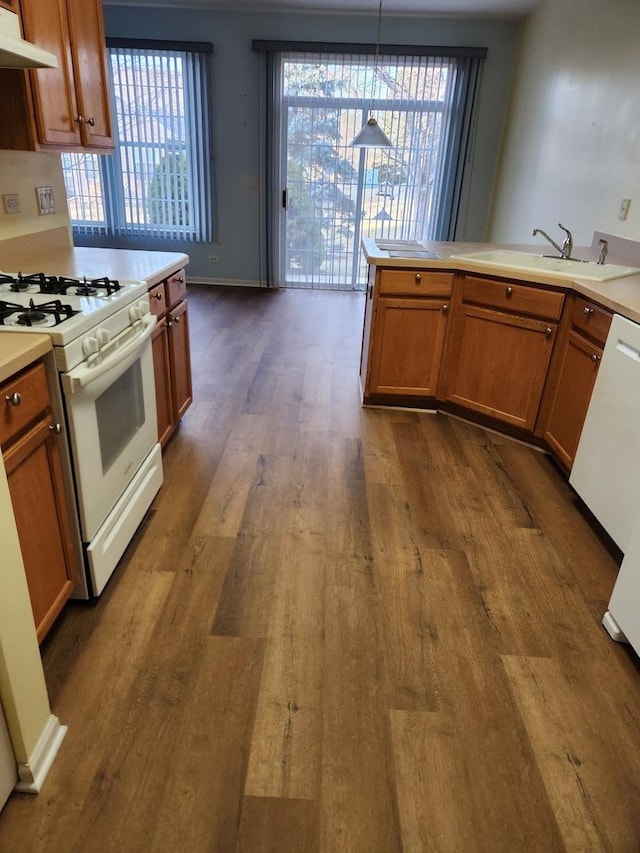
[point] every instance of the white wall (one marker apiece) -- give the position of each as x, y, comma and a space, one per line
572, 145
238, 97
21, 172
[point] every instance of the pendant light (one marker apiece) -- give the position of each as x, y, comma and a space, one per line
372, 135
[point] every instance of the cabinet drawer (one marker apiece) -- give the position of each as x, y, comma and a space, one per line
33, 397
591, 318
158, 300
515, 298
415, 282
176, 288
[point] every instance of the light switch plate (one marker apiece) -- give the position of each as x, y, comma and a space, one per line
624, 209
11, 203
46, 200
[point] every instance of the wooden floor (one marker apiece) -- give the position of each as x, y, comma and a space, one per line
340, 630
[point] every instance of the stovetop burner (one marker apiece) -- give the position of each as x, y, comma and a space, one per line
88, 287
45, 314
58, 284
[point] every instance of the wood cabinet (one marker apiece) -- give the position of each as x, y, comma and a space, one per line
29, 439
64, 108
406, 340
573, 376
171, 353
499, 348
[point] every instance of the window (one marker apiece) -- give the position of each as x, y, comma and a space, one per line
325, 195
158, 183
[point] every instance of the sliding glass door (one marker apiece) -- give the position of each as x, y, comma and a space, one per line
329, 195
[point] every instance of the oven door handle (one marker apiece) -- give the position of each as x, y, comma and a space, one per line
84, 374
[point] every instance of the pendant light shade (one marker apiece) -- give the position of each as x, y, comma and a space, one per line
371, 136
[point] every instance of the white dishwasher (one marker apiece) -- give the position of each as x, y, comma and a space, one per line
606, 469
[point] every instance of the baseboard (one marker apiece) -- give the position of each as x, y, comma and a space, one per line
225, 282
31, 776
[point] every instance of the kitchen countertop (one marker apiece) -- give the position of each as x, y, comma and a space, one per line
18, 351
78, 261
620, 295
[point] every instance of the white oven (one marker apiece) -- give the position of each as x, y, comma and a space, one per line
111, 411
101, 333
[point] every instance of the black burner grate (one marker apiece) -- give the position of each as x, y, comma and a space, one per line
34, 315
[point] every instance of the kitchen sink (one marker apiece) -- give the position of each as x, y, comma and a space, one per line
559, 267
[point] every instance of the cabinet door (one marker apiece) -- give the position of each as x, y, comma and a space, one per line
408, 338
90, 66
180, 360
162, 374
577, 375
41, 513
498, 364
46, 23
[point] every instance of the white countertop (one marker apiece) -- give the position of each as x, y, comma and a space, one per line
123, 264
620, 295
20, 350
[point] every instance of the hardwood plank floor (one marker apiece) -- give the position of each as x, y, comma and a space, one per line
339, 630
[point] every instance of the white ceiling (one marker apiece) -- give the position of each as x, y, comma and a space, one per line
475, 8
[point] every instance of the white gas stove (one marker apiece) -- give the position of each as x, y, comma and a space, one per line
69, 310
104, 394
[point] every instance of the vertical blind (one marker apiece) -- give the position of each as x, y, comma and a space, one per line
422, 98
159, 181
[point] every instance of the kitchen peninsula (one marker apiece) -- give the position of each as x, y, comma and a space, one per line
513, 349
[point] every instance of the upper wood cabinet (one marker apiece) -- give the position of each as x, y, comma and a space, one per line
499, 348
64, 108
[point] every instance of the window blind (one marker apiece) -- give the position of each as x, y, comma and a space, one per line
159, 182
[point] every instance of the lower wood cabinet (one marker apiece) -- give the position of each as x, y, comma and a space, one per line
404, 332
499, 349
32, 461
516, 353
171, 353
498, 364
408, 342
572, 378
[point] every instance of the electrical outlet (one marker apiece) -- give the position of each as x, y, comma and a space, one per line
214, 259
46, 200
12, 203
624, 209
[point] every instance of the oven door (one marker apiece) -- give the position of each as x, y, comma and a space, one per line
111, 409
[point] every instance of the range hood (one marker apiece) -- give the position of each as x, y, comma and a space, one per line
15, 52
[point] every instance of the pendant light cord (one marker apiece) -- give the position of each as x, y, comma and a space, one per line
376, 56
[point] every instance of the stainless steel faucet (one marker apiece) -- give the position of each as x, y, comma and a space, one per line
604, 248
567, 244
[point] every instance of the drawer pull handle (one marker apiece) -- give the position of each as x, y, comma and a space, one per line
509, 291
548, 332
181, 279
445, 308
90, 121
56, 428
588, 311
158, 296
14, 399
418, 278
595, 357
176, 319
